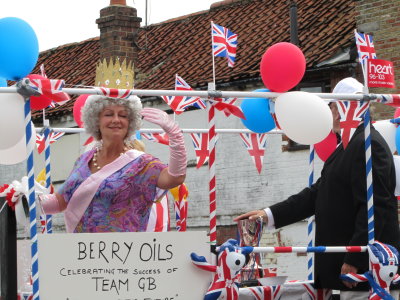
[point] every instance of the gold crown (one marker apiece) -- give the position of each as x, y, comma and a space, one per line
115, 75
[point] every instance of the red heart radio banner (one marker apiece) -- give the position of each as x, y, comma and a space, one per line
380, 73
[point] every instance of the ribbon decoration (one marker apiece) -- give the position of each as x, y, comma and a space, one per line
14, 192
8, 191
114, 93
226, 106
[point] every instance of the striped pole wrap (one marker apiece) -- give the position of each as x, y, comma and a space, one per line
212, 179
315, 249
32, 202
47, 153
310, 221
368, 174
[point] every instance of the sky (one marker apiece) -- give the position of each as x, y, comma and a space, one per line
57, 22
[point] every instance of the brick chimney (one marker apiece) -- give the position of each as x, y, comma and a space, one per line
119, 26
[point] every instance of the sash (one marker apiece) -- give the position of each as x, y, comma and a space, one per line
84, 194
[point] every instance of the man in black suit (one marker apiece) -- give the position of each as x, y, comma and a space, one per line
338, 201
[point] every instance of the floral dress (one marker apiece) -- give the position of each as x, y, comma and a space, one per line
123, 200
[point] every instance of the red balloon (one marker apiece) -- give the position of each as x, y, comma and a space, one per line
282, 67
325, 148
38, 102
76, 111
396, 113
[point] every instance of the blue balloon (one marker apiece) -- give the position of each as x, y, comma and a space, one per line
398, 139
3, 82
19, 48
257, 113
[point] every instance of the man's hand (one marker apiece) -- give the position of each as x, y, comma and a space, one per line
348, 269
253, 215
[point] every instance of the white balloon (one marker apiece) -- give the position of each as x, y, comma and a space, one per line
12, 119
17, 153
388, 131
305, 118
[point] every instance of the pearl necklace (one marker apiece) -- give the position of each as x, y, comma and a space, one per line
95, 164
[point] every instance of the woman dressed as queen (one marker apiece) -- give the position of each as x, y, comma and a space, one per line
112, 187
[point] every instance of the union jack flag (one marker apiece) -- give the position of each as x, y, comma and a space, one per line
43, 73
161, 138
114, 93
365, 46
262, 292
41, 141
317, 294
224, 43
255, 144
179, 103
201, 147
159, 219
51, 88
351, 115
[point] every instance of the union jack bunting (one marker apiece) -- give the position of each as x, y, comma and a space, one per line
41, 142
43, 223
365, 46
179, 103
161, 138
263, 292
255, 144
201, 147
159, 219
351, 116
224, 43
51, 88
181, 85
115, 93
24, 296
390, 99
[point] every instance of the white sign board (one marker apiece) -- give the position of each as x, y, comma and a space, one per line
122, 266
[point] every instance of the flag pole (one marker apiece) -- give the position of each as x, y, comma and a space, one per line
212, 53
211, 168
211, 157
176, 77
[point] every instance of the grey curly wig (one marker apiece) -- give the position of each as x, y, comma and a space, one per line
95, 104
